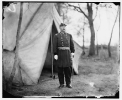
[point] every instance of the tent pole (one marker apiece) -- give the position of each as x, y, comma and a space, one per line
52, 55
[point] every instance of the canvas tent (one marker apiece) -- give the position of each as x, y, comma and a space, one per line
39, 22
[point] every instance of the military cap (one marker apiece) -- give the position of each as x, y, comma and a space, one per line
62, 24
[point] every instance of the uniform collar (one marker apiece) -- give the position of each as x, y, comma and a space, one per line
62, 32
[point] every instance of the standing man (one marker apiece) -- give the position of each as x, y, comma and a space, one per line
63, 47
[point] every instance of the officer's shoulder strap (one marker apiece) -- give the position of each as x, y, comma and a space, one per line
68, 34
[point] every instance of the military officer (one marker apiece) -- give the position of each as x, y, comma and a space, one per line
63, 48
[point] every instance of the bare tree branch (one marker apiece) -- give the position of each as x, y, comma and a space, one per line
114, 25
96, 14
109, 51
75, 7
78, 9
97, 33
82, 11
100, 23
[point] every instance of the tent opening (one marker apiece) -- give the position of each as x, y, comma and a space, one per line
49, 57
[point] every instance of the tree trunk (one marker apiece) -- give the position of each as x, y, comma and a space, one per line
97, 42
97, 49
90, 19
92, 44
83, 53
16, 50
83, 44
109, 49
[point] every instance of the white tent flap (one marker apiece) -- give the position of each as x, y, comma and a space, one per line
36, 29
34, 45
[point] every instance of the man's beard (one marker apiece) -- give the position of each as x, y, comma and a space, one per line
63, 30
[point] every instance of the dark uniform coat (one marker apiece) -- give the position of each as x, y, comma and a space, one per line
64, 56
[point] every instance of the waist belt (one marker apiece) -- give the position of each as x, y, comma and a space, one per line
63, 48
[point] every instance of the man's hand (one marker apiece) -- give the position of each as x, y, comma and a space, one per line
72, 55
56, 57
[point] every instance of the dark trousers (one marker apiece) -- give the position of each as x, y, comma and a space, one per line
64, 72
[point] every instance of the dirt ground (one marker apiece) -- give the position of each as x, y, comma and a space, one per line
97, 77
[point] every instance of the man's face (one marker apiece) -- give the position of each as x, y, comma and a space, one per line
62, 28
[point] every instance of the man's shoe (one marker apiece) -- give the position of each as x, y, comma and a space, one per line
69, 86
61, 86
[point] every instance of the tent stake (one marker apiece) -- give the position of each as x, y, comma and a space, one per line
16, 50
